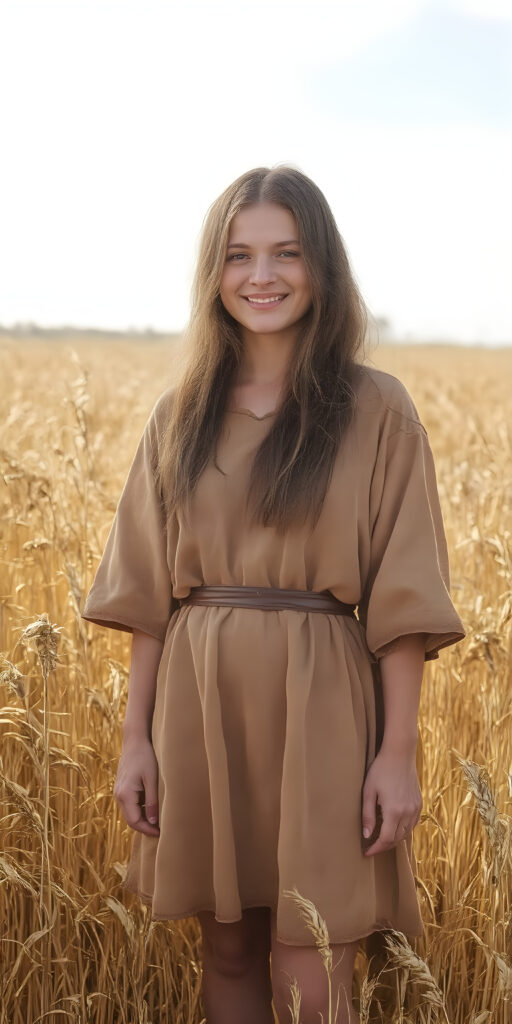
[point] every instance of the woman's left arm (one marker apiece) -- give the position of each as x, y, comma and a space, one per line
392, 779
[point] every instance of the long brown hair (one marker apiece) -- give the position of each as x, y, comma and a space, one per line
293, 465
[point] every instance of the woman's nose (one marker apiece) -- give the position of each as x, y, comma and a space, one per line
262, 271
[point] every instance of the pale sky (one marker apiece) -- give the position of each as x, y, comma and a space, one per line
120, 122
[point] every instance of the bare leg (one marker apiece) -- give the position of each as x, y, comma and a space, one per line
304, 964
236, 983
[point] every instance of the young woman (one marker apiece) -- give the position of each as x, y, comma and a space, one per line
270, 733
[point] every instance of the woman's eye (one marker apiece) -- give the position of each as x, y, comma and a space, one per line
238, 257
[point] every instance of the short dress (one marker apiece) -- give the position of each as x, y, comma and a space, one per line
266, 722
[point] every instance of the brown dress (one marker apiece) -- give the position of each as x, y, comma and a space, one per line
266, 722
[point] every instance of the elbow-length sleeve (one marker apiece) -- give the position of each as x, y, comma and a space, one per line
407, 590
132, 587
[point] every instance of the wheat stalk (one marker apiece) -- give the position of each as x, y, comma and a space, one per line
11, 677
294, 1006
368, 986
44, 636
417, 971
318, 928
498, 826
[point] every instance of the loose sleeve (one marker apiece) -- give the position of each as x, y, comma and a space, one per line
132, 586
407, 590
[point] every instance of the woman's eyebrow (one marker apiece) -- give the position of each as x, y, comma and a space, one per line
241, 245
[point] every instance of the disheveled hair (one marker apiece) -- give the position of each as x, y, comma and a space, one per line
293, 465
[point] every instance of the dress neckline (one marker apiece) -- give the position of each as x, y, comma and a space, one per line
249, 412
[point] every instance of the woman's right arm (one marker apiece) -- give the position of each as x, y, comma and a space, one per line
145, 659
138, 769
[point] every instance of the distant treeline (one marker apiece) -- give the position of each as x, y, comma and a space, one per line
28, 331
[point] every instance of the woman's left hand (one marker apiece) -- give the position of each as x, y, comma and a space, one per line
392, 781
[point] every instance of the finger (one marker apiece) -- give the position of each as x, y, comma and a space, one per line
144, 826
379, 846
151, 798
369, 811
152, 812
132, 812
140, 824
385, 839
129, 803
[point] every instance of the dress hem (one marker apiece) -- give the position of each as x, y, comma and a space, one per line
148, 901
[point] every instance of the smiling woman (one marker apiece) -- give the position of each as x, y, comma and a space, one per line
281, 484
265, 288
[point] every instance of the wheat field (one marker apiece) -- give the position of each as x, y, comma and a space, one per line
73, 947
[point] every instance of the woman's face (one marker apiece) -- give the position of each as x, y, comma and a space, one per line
264, 283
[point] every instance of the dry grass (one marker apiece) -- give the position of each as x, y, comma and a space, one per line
73, 946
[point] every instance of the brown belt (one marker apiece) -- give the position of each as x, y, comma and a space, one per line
268, 598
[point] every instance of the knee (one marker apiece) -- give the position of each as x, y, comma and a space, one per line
312, 986
230, 956
312, 992
230, 950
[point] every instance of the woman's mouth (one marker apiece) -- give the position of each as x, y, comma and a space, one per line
262, 303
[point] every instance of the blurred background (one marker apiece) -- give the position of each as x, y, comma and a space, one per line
122, 121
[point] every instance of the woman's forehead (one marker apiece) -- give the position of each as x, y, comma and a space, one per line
261, 219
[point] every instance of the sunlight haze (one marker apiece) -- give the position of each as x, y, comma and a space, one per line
121, 123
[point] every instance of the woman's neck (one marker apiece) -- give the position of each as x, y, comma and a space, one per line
266, 359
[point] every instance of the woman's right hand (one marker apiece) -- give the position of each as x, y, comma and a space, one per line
136, 785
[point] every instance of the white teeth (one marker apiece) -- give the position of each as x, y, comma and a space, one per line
263, 301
